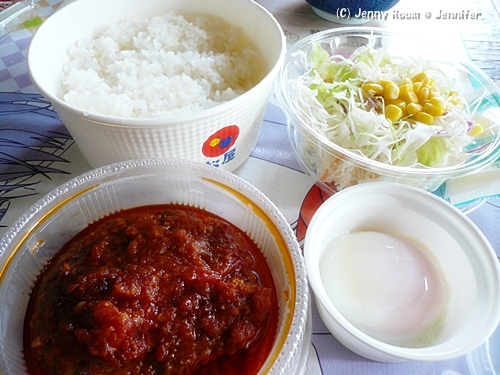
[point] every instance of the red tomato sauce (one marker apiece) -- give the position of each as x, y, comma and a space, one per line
155, 290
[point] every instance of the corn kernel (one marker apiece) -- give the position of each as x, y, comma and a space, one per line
373, 88
434, 91
424, 118
398, 103
391, 91
427, 81
413, 108
423, 94
454, 98
416, 87
409, 97
433, 110
476, 129
406, 88
384, 82
405, 81
419, 77
393, 112
439, 102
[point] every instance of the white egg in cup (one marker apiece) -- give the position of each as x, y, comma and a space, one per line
401, 274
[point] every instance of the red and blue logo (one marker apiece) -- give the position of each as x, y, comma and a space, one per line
221, 141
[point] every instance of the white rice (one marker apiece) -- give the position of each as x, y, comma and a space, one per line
161, 66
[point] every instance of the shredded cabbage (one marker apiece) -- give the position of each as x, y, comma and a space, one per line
330, 97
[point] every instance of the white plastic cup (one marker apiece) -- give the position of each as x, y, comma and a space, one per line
463, 253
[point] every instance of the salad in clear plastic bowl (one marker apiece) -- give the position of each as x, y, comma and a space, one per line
365, 104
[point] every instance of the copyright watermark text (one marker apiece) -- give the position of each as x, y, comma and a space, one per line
347, 14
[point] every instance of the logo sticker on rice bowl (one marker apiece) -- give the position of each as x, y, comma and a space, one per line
220, 141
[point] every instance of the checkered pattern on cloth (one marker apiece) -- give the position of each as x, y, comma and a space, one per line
14, 45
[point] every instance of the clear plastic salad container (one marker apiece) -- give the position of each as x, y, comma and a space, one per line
345, 131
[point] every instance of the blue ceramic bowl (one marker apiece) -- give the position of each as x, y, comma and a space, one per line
345, 11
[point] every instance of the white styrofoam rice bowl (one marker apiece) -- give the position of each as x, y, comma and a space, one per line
464, 255
64, 212
105, 139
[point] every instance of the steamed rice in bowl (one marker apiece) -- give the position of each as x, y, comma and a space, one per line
160, 66
217, 116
